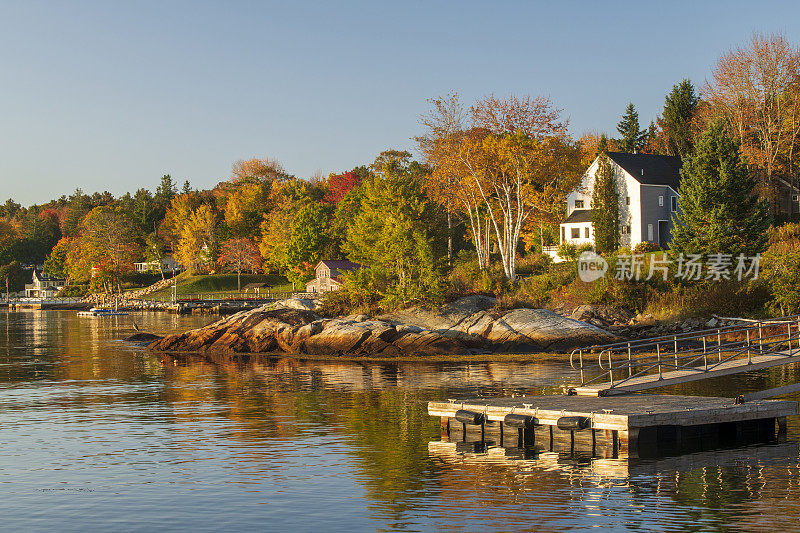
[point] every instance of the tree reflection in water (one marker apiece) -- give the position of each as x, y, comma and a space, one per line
271, 430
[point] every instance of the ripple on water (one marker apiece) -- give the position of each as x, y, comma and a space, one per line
98, 434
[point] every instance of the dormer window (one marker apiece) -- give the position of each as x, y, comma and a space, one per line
660, 201
578, 204
674, 203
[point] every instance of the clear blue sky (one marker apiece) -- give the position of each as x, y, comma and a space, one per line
111, 95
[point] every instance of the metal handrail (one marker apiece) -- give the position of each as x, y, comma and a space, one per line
646, 363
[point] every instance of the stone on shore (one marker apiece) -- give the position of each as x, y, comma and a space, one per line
468, 325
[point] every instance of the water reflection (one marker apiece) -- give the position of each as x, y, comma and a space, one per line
144, 443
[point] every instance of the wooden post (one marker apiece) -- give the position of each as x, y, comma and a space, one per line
719, 344
551, 438
614, 443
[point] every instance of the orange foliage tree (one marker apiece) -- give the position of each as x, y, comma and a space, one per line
515, 160
240, 254
756, 89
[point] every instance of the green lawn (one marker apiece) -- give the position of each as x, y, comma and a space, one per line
212, 283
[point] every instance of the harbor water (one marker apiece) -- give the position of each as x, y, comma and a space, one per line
98, 434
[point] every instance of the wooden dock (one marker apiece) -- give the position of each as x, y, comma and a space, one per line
631, 424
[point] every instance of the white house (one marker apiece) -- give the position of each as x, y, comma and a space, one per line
328, 273
648, 196
43, 286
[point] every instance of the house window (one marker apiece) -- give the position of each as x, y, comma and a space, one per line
650, 232
627, 200
674, 202
578, 204
563, 231
660, 201
626, 230
587, 232
576, 233
796, 197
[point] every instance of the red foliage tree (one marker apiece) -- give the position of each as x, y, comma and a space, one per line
341, 184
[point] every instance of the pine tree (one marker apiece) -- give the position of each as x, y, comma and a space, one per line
605, 207
628, 127
720, 212
680, 106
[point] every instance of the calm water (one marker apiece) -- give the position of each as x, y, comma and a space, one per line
97, 434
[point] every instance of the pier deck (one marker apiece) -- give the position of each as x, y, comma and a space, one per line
626, 421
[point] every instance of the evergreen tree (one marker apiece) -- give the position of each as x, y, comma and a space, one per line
679, 109
720, 212
165, 192
628, 127
605, 207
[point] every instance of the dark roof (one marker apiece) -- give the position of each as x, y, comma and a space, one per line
650, 169
43, 277
340, 264
579, 216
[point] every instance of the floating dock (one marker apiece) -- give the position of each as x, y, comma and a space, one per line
636, 424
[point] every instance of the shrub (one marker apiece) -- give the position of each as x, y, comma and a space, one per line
73, 291
568, 251
534, 263
781, 269
646, 247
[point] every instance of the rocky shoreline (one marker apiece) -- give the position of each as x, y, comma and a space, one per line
469, 325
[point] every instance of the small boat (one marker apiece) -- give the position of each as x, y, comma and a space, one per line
101, 311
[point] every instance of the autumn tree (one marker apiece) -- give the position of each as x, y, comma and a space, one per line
444, 125
155, 252
198, 240
12, 278
259, 170
245, 209
339, 185
55, 264
309, 241
397, 232
239, 254
176, 216
514, 159
286, 198
754, 88
106, 238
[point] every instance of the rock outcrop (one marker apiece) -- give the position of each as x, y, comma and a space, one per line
468, 325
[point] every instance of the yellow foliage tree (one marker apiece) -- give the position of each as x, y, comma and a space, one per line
198, 239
